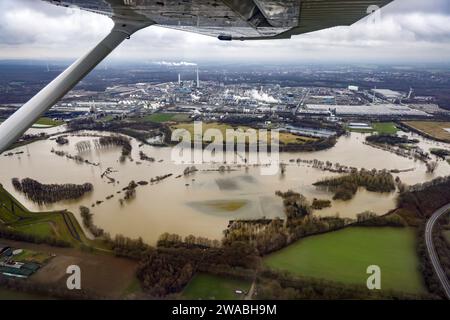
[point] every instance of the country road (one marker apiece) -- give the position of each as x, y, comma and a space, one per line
432, 251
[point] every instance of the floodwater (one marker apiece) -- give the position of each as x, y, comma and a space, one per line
202, 203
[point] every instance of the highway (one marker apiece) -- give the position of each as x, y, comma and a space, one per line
432, 251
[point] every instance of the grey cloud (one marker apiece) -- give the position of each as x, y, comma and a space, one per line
408, 29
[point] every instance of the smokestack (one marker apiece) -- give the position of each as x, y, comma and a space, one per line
198, 79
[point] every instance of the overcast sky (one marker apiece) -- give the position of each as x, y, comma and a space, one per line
409, 31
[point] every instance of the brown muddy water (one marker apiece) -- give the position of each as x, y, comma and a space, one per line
203, 203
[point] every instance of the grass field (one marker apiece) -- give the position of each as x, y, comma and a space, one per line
285, 138
344, 256
434, 129
210, 287
59, 225
380, 128
44, 121
49, 122
165, 117
385, 127
32, 256
40, 229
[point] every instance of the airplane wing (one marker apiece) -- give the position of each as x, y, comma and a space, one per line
225, 19
236, 19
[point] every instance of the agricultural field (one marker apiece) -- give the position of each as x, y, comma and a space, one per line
438, 130
210, 287
166, 117
285, 138
344, 256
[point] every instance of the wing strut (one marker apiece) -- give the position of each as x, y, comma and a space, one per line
13, 128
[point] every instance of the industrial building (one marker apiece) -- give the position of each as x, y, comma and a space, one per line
389, 95
376, 110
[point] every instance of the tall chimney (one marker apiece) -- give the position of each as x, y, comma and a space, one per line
198, 79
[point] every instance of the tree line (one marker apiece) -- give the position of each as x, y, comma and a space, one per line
277, 234
50, 193
389, 139
116, 140
274, 285
426, 267
416, 204
140, 130
172, 240
371, 219
422, 199
345, 187
46, 289
86, 217
319, 204
164, 271
295, 204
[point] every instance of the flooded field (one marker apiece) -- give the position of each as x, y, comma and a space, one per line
203, 202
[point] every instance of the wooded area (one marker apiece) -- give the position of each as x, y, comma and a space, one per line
50, 193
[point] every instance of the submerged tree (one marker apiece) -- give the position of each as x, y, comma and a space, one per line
432, 166
50, 193
295, 204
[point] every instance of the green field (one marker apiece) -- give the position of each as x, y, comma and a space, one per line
49, 122
59, 224
344, 256
385, 127
210, 287
40, 229
380, 128
165, 117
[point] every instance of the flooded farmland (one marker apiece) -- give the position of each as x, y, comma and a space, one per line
203, 202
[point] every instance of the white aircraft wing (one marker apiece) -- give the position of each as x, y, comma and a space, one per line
225, 19
237, 19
